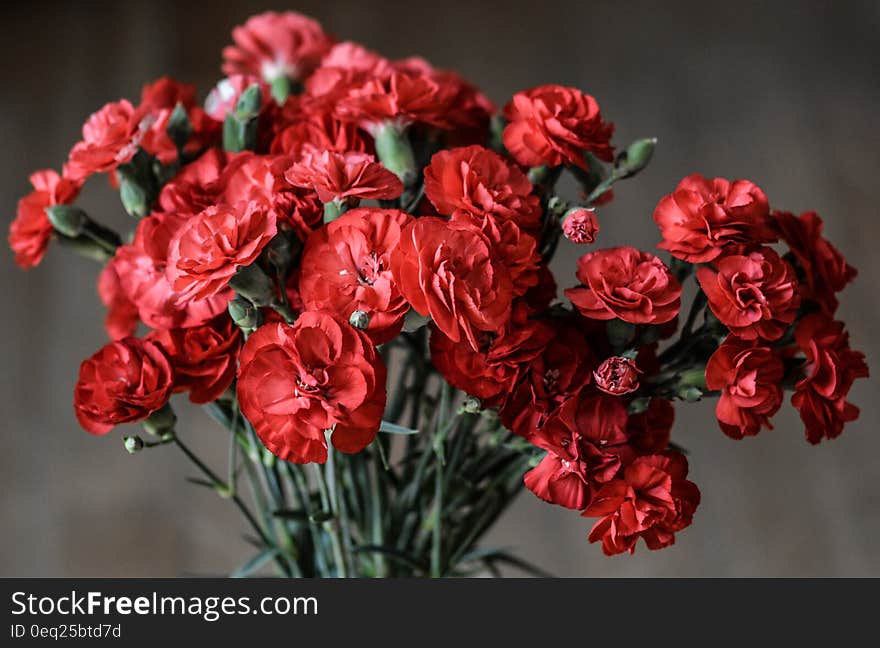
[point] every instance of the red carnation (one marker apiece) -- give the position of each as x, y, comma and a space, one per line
750, 379
580, 226
197, 185
559, 371
555, 125
626, 283
318, 130
830, 370
481, 183
111, 137
651, 499
343, 176
274, 45
649, 431
825, 271
446, 270
704, 216
297, 381
617, 376
125, 381
122, 313
346, 268
203, 357
30, 231
211, 246
753, 293
586, 443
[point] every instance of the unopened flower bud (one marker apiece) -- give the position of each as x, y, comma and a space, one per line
580, 225
68, 219
161, 421
249, 103
395, 152
133, 444
179, 128
690, 394
617, 376
243, 313
636, 157
360, 320
251, 282
471, 405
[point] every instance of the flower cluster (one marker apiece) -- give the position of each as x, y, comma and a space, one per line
328, 205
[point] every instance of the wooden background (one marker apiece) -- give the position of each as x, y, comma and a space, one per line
786, 94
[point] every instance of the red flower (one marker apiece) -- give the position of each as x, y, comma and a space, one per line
346, 267
825, 271
580, 226
830, 370
703, 216
446, 270
754, 293
31, 230
140, 268
297, 381
210, 247
203, 357
343, 176
626, 283
122, 313
651, 500
559, 371
111, 137
274, 45
649, 431
490, 371
125, 381
481, 183
318, 130
617, 376
586, 443
555, 125
197, 185
750, 379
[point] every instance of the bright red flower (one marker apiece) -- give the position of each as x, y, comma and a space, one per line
555, 125
111, 137
481, 183
651, 500
649, 431
754, 293
209, 247
830, 370
750, 379
343, 176
297, 381
203, 357
318, 130
560, 371
580, 226
489, 372
446, 270
626, 283
125, 381
197, 185
617, 376
30, 231
586, 443
274, 45
703, 217
825, 271
122, 313
346, 267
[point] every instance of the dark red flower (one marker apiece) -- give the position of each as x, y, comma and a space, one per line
830, 370
30, 231
617, 376
125, 381
825, 271
555, 125
481, 183
343, 176
703, 217
753, 293
750, 379
649, 431
346, 268
446, 270
651, 499
274, 45
297, 381
626, 283
580, 226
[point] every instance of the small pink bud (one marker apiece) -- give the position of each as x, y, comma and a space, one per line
617, 376
580, 225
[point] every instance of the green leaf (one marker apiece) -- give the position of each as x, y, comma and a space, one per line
392, 428
254, 563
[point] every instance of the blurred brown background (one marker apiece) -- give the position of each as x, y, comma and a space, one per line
786, 94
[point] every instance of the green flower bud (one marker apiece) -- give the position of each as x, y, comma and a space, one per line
360, 320
243, 313
251, 282
636, 157
394, 150
161, 421
690, 394
248, 105
133, 444
471, 405
68, 220
179, 128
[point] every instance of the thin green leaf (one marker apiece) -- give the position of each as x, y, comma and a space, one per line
254, 563
393, 428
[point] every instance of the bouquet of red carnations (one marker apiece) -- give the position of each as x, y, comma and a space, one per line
344, 260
